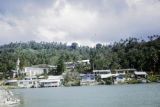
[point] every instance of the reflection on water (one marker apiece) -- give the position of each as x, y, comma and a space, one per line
140, 95
14, 105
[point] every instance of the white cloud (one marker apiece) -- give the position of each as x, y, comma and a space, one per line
86, 22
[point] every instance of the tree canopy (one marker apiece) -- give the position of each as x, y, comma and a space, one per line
128, 53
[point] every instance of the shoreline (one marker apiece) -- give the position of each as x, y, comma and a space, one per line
16, 87
7, 97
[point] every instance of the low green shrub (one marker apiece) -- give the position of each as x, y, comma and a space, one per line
152, 78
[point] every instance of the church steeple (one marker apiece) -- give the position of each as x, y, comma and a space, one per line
17, 65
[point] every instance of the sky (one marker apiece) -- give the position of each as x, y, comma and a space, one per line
86, 22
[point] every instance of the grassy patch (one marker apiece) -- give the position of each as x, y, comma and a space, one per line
133, 81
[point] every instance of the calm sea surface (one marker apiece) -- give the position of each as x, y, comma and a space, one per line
140, 95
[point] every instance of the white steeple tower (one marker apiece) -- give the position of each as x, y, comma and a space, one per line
17, 65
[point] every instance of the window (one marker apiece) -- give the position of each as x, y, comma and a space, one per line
21, 83
30, 82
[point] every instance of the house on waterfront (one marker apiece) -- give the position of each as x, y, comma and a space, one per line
84, 62
37, 70
87, 79
141, 75
103, 76
102, 73
25, 83
11, 82
28, 83
69, 66
51, 81
72, 65
121, 75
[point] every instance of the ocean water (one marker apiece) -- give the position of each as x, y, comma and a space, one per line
139, 95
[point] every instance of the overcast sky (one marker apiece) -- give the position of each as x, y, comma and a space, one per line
84, 21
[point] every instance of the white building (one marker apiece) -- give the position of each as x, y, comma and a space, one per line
71, 65
27, 83
34, 71
140, 75
84, 62
121, 74
103, 73
52, 81
87, 79
38, 69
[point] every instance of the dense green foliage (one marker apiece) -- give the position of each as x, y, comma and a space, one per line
129, 53
153, 78
72, 79
60, 66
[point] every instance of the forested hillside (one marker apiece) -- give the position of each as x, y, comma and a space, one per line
129, 53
